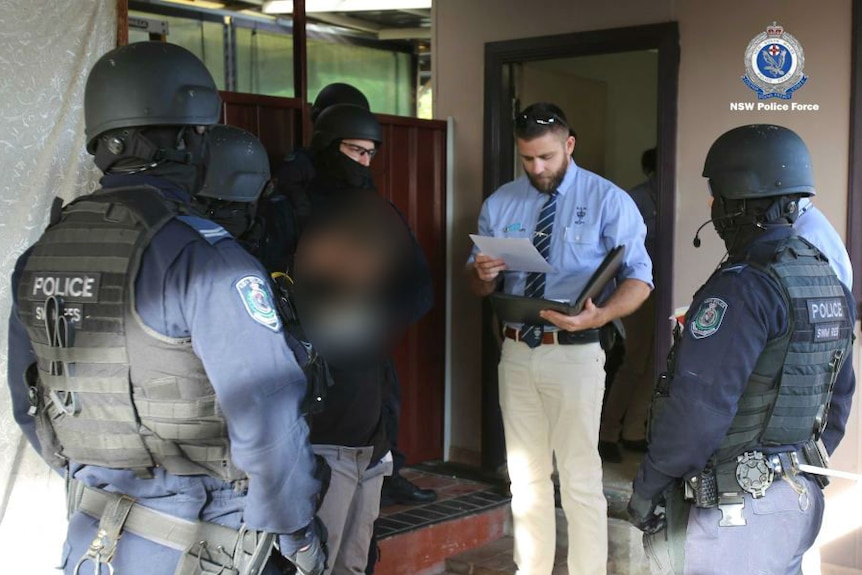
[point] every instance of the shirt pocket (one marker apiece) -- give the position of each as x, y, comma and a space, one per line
582, 234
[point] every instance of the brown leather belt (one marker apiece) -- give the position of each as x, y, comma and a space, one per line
560, 337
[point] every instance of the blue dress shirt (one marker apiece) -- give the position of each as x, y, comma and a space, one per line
593, 216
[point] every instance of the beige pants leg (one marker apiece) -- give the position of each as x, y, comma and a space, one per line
551, 399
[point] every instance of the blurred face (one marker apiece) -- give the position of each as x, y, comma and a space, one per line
546, 159
359, 150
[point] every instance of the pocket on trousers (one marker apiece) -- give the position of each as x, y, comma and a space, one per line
780, 498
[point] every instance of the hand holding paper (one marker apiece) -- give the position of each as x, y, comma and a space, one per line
519, 253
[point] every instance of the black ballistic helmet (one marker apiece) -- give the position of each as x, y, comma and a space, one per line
237, 166
337, 93
759, 161
345, 121
148, 84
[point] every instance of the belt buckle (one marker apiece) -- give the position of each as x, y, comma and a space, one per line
754, 473
731, 511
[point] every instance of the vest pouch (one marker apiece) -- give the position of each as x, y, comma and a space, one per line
43, 411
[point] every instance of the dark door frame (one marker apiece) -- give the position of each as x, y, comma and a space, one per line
854, 177
499, 163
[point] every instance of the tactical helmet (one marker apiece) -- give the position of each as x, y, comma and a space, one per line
759, 161
237, 166
337, 93
148, 84
345, 121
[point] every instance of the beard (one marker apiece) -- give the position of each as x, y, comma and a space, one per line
548, 183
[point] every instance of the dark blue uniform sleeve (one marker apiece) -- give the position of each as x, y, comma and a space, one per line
712, 369
20, 356
842, 393
218, 295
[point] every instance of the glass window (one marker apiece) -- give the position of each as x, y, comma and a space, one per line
385, 77
264, 62
202, 38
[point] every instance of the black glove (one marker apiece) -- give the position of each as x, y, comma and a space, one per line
310, 559
642, 513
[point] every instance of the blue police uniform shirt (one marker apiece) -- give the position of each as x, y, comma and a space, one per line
711, 374
192, 292
593, 216
814, 227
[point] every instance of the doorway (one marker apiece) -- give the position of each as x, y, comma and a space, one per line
513, 69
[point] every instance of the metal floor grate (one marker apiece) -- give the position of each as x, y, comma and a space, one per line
439, 511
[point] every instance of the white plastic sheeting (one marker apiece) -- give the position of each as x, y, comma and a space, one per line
46, 50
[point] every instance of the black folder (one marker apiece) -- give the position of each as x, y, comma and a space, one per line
520, 309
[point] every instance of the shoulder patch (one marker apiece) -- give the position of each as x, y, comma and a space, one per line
708, 318
258, 303
210, 231
736, 268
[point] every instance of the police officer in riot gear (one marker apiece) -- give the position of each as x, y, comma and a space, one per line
759, 382
237, 176
159, 380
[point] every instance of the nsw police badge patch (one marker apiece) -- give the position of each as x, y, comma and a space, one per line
708, 318
258, 303
773, 64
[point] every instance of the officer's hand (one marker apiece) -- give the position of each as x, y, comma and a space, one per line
488, 268
591, 317
642, 514
311, 558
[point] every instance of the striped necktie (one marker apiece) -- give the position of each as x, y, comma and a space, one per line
535, 287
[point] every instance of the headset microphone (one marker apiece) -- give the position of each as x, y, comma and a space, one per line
696, 241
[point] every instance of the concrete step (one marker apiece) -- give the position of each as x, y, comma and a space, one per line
417, 540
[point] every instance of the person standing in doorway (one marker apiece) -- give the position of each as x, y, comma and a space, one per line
625, 413
552, 378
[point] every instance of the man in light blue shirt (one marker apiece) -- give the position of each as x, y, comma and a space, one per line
552, 377
814, 227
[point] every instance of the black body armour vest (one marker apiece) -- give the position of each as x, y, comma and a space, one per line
108, 390
787, 396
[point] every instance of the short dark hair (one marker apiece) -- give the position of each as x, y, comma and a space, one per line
539, 119
648, 161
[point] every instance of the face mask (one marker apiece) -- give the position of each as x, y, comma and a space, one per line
334, 165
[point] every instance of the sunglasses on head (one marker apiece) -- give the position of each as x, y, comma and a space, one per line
545, 120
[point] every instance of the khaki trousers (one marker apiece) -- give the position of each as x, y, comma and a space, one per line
629, 398
551, 399
351, 505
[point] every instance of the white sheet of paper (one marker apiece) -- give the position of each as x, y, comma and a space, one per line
519, 253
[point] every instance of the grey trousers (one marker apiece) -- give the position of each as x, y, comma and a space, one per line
780, 528
351, 505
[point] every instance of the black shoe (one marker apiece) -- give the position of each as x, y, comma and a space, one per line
398, 489
639, 445
610, 452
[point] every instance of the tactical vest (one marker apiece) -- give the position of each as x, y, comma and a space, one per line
108, 390
788, 393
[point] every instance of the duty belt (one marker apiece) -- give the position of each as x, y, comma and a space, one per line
752, 472
206, 546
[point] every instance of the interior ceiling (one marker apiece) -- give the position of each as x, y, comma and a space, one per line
405, 23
